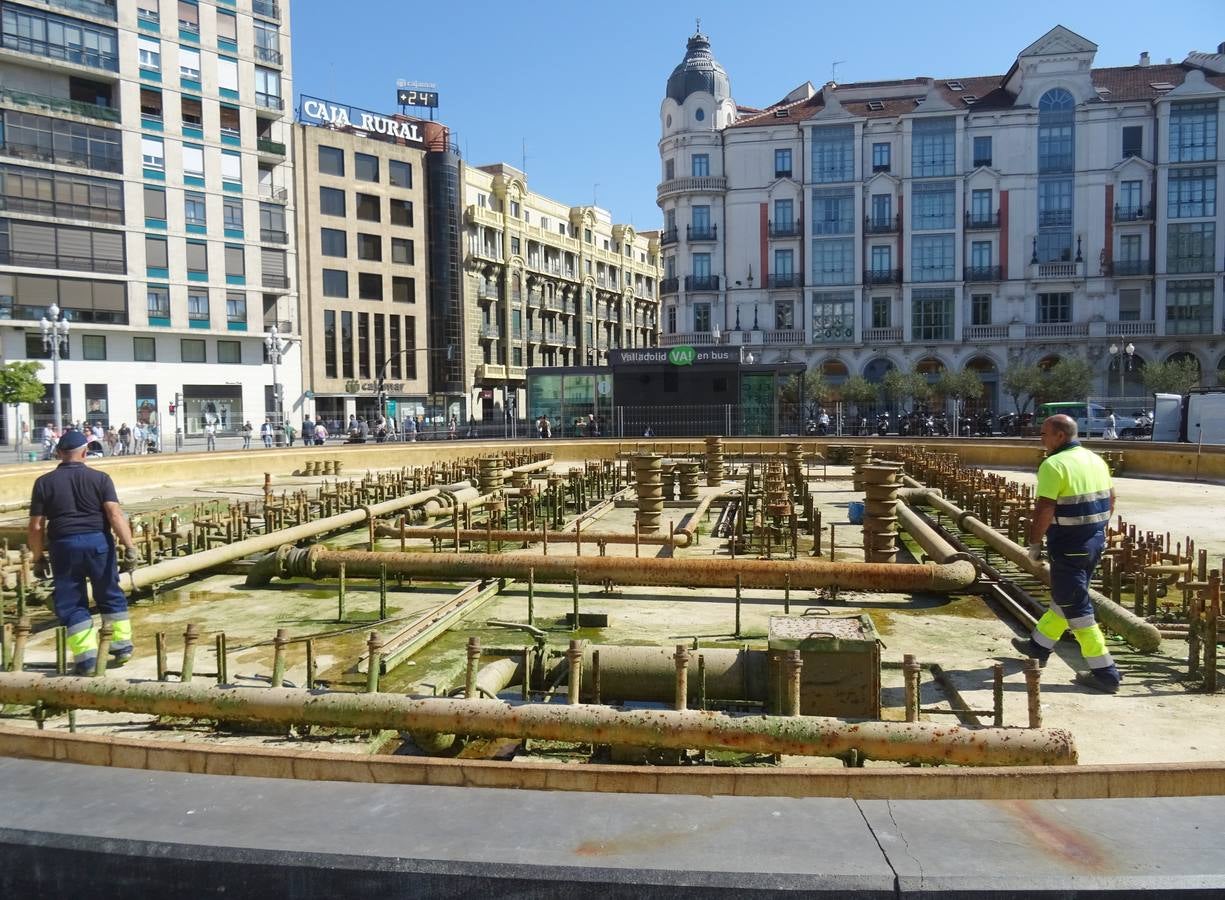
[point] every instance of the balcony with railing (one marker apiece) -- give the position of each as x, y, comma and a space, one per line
828, 227
535, 335
882, 276
669, 236
669, 285
701, 282
701, 232
982, 273
982, 221
274, 193
1131, 329
77, 154
270, 147
687, 339
788, 229
268, 55
1131, 268
700, 184
1057, 330
266, 8
882, 224
283, 326
490, 372
10, 257
1057, 271
978, 333
782, 337
785, 280
95, 8
269, 101
888, 334
47, 103
490, 332
273, 236
1139, 212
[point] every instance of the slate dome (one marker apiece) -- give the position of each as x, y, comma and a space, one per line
698, 71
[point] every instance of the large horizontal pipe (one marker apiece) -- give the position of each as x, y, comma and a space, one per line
181, 566
683, 537
649, 673
800, 574
1142, 635
915, 742
933, 544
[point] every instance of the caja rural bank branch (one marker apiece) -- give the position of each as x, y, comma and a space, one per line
677, 391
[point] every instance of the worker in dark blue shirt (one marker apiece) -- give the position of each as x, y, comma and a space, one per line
73, 512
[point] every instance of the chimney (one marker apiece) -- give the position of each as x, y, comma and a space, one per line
1144, 57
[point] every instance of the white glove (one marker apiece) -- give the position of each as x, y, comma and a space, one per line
1035, 552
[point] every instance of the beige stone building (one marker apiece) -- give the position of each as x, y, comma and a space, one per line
363, 262
546, 284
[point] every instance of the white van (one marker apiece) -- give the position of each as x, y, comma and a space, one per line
1206, 416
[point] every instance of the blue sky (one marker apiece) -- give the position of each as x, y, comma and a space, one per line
580, 83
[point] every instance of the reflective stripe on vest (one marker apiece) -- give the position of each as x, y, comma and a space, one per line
1083, 509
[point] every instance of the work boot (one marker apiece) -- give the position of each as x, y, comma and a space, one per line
84, 667
1027, 647
121, 653
1103, 684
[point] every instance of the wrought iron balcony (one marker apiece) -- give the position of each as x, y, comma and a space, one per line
882, 276
787, 280
701, 282
788, 229
269, 101
669, 236
882, 225
1142, 212
982, 273
702, 233
669, 285
982, 221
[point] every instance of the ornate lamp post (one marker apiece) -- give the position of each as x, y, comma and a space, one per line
276, 347
1124, 357
55, 335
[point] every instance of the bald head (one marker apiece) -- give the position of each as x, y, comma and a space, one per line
1058, 430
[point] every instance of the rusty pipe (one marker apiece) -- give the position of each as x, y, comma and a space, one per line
169, 569
648, 674
799, 574
1142, 635
914, 742
936, 547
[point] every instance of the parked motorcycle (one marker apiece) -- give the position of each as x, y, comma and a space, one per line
882, 424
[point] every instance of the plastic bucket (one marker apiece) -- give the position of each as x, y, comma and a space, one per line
854, 512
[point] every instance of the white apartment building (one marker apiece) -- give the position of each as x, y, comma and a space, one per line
546, 284
1054, 210
146, 189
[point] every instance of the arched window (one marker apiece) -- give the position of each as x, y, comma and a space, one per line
834, 371
875, 370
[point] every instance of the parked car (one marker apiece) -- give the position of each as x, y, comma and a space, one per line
1090, 417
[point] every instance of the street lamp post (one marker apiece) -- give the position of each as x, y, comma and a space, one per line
55, 334
1124, 357
276, 347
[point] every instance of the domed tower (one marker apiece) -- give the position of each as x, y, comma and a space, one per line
697, 107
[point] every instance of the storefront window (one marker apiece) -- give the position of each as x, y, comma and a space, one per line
220, 404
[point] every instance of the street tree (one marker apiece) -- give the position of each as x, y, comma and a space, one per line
1022, 382
1069, 379
19, 383
809, 388
858, 390
1174, 376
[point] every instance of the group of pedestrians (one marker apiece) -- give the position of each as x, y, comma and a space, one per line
104, 440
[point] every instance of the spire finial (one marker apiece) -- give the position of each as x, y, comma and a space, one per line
698, 28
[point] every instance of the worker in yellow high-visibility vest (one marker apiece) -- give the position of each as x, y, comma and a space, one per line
1075, 499
73, 512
